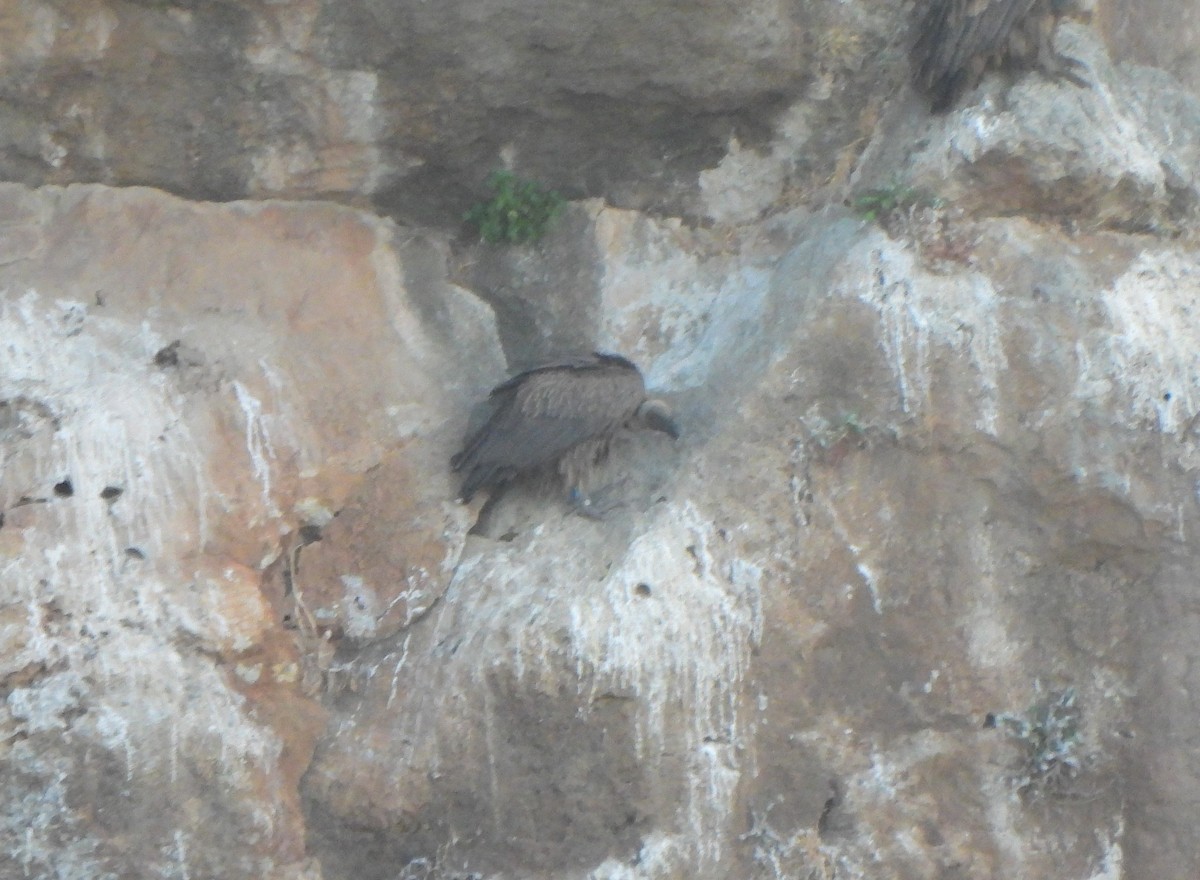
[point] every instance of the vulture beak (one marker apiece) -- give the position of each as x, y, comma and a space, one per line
656, 415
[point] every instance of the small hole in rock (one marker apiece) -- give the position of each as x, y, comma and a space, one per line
167, 356
134, 553
310, 534
1167, 396
642, 589
108, 493
64, 489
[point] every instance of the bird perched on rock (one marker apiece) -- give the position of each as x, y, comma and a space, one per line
560, 416
957, 40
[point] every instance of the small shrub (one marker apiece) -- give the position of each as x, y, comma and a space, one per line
1051, 748
877, 204
832, 441
519, 212
941, 234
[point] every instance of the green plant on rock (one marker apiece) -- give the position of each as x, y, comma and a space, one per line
1048, 737
877, 204
832, 440
519, 211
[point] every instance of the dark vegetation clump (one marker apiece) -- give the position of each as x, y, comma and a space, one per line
876, 205
1047, 734
519, 211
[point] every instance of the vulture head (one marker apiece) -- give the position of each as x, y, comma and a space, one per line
655, 415
561, 416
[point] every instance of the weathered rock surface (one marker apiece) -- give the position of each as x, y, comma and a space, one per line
185, 388
1159, 33
935, 469
409, 105
1121, 153
940, 496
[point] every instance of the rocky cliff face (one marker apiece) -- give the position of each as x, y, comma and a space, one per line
913, 597
406, 105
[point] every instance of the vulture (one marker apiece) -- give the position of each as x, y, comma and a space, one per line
561, 416
958, 40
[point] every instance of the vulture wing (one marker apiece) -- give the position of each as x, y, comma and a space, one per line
542, 413
955, 40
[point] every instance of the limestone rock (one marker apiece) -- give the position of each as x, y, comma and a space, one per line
1121, 153
155, 720
938, 472
409, 105
918, 493
1152, 33
923, 501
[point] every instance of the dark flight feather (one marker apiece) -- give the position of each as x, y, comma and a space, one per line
957, 40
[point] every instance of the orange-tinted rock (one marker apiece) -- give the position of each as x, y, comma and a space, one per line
186, 388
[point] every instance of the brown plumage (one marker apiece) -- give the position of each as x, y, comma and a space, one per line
958, 40
561, 415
